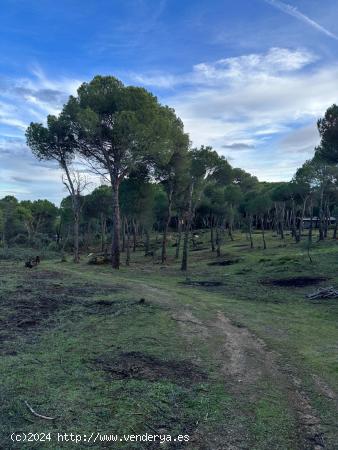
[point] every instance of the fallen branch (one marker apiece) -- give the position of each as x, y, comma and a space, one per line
37, 414
329, 292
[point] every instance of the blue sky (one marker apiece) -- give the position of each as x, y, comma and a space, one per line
248, 77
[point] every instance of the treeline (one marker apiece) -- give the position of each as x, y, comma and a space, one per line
155, 181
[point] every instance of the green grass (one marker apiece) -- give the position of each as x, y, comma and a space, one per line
54, 364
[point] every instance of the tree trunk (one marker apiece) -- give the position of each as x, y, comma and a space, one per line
76, 237
115, 250
147, 242
123, 249
218, 242
309, 242
179, 237
334, 236
321, 213
311, 224
166, 227
250, 232
212, 237
230, 232
103, 232
281, 222
263, 233
128, 243
134, 236
327, 220
184, 265
294, 228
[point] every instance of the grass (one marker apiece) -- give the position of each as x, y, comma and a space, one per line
56, 364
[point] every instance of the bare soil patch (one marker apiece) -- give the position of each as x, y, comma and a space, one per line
226, 262
294, 281
136, 365
37, 298
36, 273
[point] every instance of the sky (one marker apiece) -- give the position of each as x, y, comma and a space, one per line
248, 77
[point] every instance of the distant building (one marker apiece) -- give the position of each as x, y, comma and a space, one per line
315, 222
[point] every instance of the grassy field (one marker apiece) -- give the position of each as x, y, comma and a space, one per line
248, 363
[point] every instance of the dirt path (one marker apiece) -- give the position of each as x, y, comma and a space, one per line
245, 361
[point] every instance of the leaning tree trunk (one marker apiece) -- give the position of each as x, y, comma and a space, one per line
115, 250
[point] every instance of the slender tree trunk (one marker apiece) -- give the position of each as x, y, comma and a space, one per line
250, 231
134, 236
263, 233
334, 236
184, 265
301, 224
75, 207
327, 220
123, 249
128, 243
147, 242
116, 227
76, 237
311, 224
218, 242
179, 237
166, 227
281, 222
321, 231
230, 233
103, 232
294, 228
58, 235
309, 243
212, 237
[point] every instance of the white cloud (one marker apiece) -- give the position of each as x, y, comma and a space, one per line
231, 70
274, 61
258, 99
22, 101
30, 99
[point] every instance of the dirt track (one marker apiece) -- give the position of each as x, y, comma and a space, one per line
245, 362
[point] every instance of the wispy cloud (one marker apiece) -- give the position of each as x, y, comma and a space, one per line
250, 107
294, 12
238, 146
274, 62
22, 101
